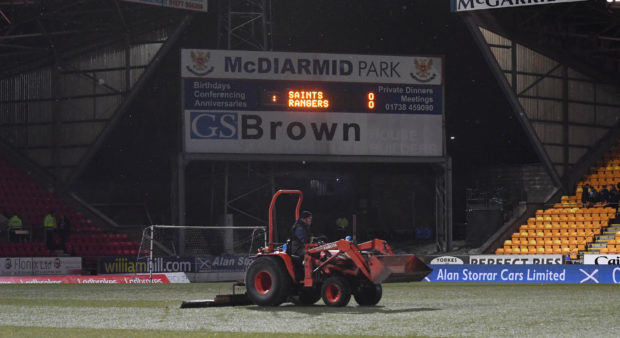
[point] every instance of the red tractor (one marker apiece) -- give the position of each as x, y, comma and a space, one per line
332, 271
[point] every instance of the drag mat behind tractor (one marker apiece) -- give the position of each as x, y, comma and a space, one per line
220, 300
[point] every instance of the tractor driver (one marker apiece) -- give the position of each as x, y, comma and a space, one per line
301, 233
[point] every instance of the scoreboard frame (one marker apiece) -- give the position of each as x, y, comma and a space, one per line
285, 105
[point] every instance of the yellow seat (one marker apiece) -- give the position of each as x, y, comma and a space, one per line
499, 251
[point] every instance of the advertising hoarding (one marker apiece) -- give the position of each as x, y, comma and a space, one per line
36, 266
223, 263
595, 259
164, 278
557, 273
472, 5
193, 5
516, 259
122, 264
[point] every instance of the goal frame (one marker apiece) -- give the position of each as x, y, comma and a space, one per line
151, 230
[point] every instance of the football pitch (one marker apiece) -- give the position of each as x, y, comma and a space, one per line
408, 309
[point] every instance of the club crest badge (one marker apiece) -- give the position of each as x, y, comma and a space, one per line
200, 63
424, 71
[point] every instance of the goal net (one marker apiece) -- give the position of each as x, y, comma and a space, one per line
225, 244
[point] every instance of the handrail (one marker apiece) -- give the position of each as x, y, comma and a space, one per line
272, 205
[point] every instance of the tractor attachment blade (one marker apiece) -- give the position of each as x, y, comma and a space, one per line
397, 268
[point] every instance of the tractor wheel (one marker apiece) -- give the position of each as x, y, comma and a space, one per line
336, 291
307, 297
369, 295
267, 283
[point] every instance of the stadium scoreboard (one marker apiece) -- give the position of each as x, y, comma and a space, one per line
304, 96
331, 104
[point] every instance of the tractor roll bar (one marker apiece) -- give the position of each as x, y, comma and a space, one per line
272, 205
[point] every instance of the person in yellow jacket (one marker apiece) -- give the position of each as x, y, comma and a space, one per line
342, 223
14, 223
49, 224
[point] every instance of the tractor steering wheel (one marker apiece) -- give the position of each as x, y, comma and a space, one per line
319, 240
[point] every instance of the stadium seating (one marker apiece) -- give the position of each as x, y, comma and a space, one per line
570, 228
33, 249
20, 194
546, 234
100, 244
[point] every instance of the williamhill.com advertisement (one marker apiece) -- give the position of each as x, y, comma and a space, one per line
120, 265
207, 263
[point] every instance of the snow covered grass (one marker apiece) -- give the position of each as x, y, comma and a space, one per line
408, 309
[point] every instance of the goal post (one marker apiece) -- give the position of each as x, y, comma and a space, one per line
171, 241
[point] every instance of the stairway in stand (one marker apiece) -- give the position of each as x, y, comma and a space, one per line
608, 242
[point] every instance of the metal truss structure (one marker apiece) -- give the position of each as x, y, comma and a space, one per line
34, 32
71, 69
584, 33
559, 67
245, 25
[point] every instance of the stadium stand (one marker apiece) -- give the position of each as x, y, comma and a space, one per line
19, 193
570, 228
29, 249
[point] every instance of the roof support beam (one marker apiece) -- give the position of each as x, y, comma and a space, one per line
506, 88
